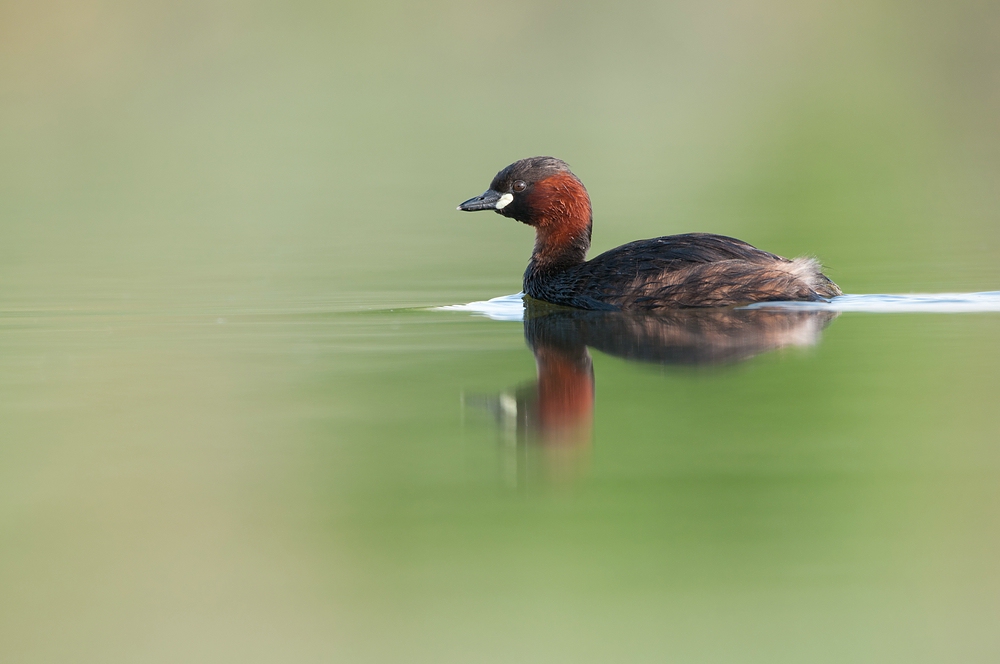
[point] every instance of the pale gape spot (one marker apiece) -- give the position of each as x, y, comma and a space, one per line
504, 201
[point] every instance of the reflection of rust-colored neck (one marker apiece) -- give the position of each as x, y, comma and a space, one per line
562, 217
565, 397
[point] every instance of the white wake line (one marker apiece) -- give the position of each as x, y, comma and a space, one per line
930, 303
505, 307
511, 308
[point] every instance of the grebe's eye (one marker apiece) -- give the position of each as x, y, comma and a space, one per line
520, 185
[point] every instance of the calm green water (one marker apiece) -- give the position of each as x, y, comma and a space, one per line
233, 430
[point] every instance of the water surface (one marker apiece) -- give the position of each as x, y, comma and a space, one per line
318, 480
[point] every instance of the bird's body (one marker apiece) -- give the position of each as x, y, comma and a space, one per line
691, 270
676, 271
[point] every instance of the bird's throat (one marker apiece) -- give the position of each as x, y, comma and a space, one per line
562, 222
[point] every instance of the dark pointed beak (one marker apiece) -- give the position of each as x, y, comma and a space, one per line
487, 201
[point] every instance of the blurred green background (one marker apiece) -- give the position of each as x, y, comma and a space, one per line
224, 437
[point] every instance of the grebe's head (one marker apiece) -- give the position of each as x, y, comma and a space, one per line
536, 191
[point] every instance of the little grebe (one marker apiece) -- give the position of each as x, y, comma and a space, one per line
689, 270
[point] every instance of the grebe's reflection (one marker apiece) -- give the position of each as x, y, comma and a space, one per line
555, 412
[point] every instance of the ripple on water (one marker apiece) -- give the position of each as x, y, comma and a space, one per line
511, 307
